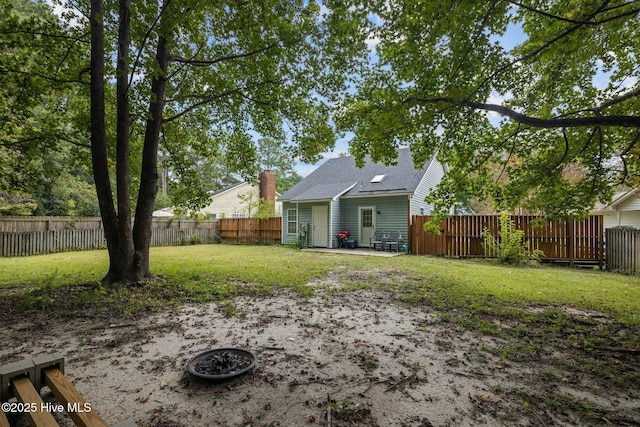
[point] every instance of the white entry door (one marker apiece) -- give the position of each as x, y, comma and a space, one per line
320, 223
367, 224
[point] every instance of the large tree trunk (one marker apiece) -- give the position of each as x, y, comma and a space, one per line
125, 236
149, 175
99, 139
128, 247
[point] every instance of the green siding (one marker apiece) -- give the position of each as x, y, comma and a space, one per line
393, 216
335, 222
304, 217
287, 239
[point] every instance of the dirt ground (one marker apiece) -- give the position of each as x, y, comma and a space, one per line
358, 358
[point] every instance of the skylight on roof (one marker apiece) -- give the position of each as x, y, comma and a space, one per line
377, 178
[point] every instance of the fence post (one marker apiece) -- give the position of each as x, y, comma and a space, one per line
600, 244
570, 245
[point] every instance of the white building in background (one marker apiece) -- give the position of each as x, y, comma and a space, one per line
623, 210
232, 202
237, 200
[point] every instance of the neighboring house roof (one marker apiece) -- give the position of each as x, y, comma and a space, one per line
617, 199
231, 187
163, 213
340, 177
225, 189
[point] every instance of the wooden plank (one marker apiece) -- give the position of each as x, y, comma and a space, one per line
26, 393
4, 422
66, 393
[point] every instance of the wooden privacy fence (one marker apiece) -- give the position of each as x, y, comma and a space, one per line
623, 250
46, 223
461, 236
164, 233
251, 230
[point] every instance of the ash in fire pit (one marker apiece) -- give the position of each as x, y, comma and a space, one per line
221, 363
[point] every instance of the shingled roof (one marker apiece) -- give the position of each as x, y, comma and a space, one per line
340, 177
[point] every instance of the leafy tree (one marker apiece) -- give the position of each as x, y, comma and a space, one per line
278, 159
509, 120
23, 96
43, 148
225, 70
250, 203
16, 204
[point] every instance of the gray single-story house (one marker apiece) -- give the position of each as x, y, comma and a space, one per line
340, 196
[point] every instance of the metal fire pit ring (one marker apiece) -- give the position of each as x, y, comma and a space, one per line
219, 356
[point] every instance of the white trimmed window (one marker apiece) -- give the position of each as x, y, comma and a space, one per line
292, 221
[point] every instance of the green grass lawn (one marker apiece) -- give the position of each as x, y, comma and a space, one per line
206, 272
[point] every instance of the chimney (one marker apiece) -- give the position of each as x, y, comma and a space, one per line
267, 186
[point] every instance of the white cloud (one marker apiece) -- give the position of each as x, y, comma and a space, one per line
496, 99
372, 41
66, 12
630, 83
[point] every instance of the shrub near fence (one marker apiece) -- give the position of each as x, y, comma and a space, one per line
21, 242
623, 250
461, 236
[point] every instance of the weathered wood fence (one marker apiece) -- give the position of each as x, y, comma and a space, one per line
461, 236
623, 250
46, 223
250, 230
20, 236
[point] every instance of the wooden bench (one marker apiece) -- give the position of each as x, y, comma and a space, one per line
23, 380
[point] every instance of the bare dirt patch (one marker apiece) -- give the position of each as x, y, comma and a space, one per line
358, 358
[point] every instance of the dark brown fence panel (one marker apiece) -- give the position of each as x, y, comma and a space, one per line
623, 250
250, 230
461, 236
422, 243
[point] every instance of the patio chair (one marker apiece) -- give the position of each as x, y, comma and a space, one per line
393, 240
377, 238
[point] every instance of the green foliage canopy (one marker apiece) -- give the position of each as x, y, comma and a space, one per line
508, 120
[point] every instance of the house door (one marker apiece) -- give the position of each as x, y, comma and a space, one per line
367, 224
320, 225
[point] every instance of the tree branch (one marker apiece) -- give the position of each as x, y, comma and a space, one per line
72, 142
620, 121
538, 50
203, 63
204, 101
42, 76
256, 101
623, 157
591, 22
146, 37
80, 39
619, 99
210, 99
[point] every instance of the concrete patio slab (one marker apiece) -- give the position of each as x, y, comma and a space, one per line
362, 252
